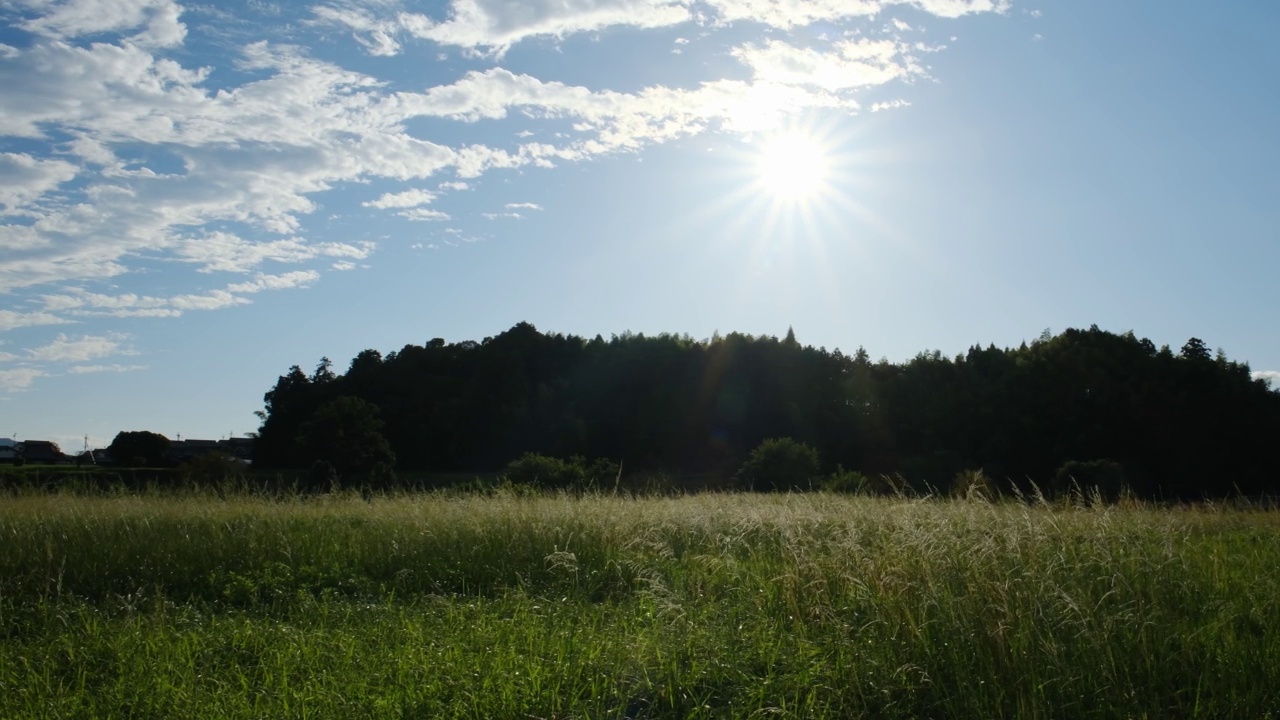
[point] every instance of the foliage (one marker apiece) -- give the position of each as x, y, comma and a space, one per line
1183, 423
1103, 479
709, 606
973, 485
846, 481
213, 469
780, 464
346, 435
140, 448
576, 472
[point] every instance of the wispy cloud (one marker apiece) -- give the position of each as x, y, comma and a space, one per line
85, 304
156, 20
409, 198
129, 152
889, 105
845, 65
420, 214
11, 320
250, 157
24, 178
493, 26
65, 348
19, 378
89, 369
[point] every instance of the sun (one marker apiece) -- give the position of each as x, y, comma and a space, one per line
793, 167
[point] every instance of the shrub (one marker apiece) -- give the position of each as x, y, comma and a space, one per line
555, 473
346, 433
973, 485
846, 481
213, 469
780, 464
1102, 479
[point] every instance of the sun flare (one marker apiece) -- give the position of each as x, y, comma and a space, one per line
793, 167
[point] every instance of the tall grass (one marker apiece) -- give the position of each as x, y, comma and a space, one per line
702, 606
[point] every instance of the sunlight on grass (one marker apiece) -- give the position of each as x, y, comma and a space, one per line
704, 606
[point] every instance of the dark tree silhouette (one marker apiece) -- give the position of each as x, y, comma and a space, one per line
139, 448
346, 435
1185, 425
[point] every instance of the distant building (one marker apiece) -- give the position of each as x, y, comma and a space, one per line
99, 456
240, 448
42, 452
181, 451
9, 452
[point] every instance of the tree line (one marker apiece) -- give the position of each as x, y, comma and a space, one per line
1183, 424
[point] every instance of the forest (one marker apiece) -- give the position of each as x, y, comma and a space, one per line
1172, 425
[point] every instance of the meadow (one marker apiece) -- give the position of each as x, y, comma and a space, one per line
513, 605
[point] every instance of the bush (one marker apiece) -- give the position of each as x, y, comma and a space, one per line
846, 481
780, 464
1102, 479
346, 434
973, 485
554, 473
213, 469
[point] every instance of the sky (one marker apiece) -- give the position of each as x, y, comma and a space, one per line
194, 197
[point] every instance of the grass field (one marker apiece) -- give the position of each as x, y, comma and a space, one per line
502, 606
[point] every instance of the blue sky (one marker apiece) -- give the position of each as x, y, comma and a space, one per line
194, 197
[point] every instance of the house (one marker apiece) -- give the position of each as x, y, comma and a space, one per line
240, 448
181, 451
42, 452
100, 456
9, 451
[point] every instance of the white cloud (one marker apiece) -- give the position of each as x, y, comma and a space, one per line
959, 8
409, 198
849, 64
173, 167
889, 105
11, 320
262, 282
792, 13
495, 25
158, 20
87, 369
377, 36
224, 252
87, 347
24, 178
421, 214
1271, 376
343, 265
498, 24
212, 300
795, 13
523, 206
80, 303
19, 378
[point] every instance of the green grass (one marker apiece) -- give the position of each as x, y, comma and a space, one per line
448, 606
